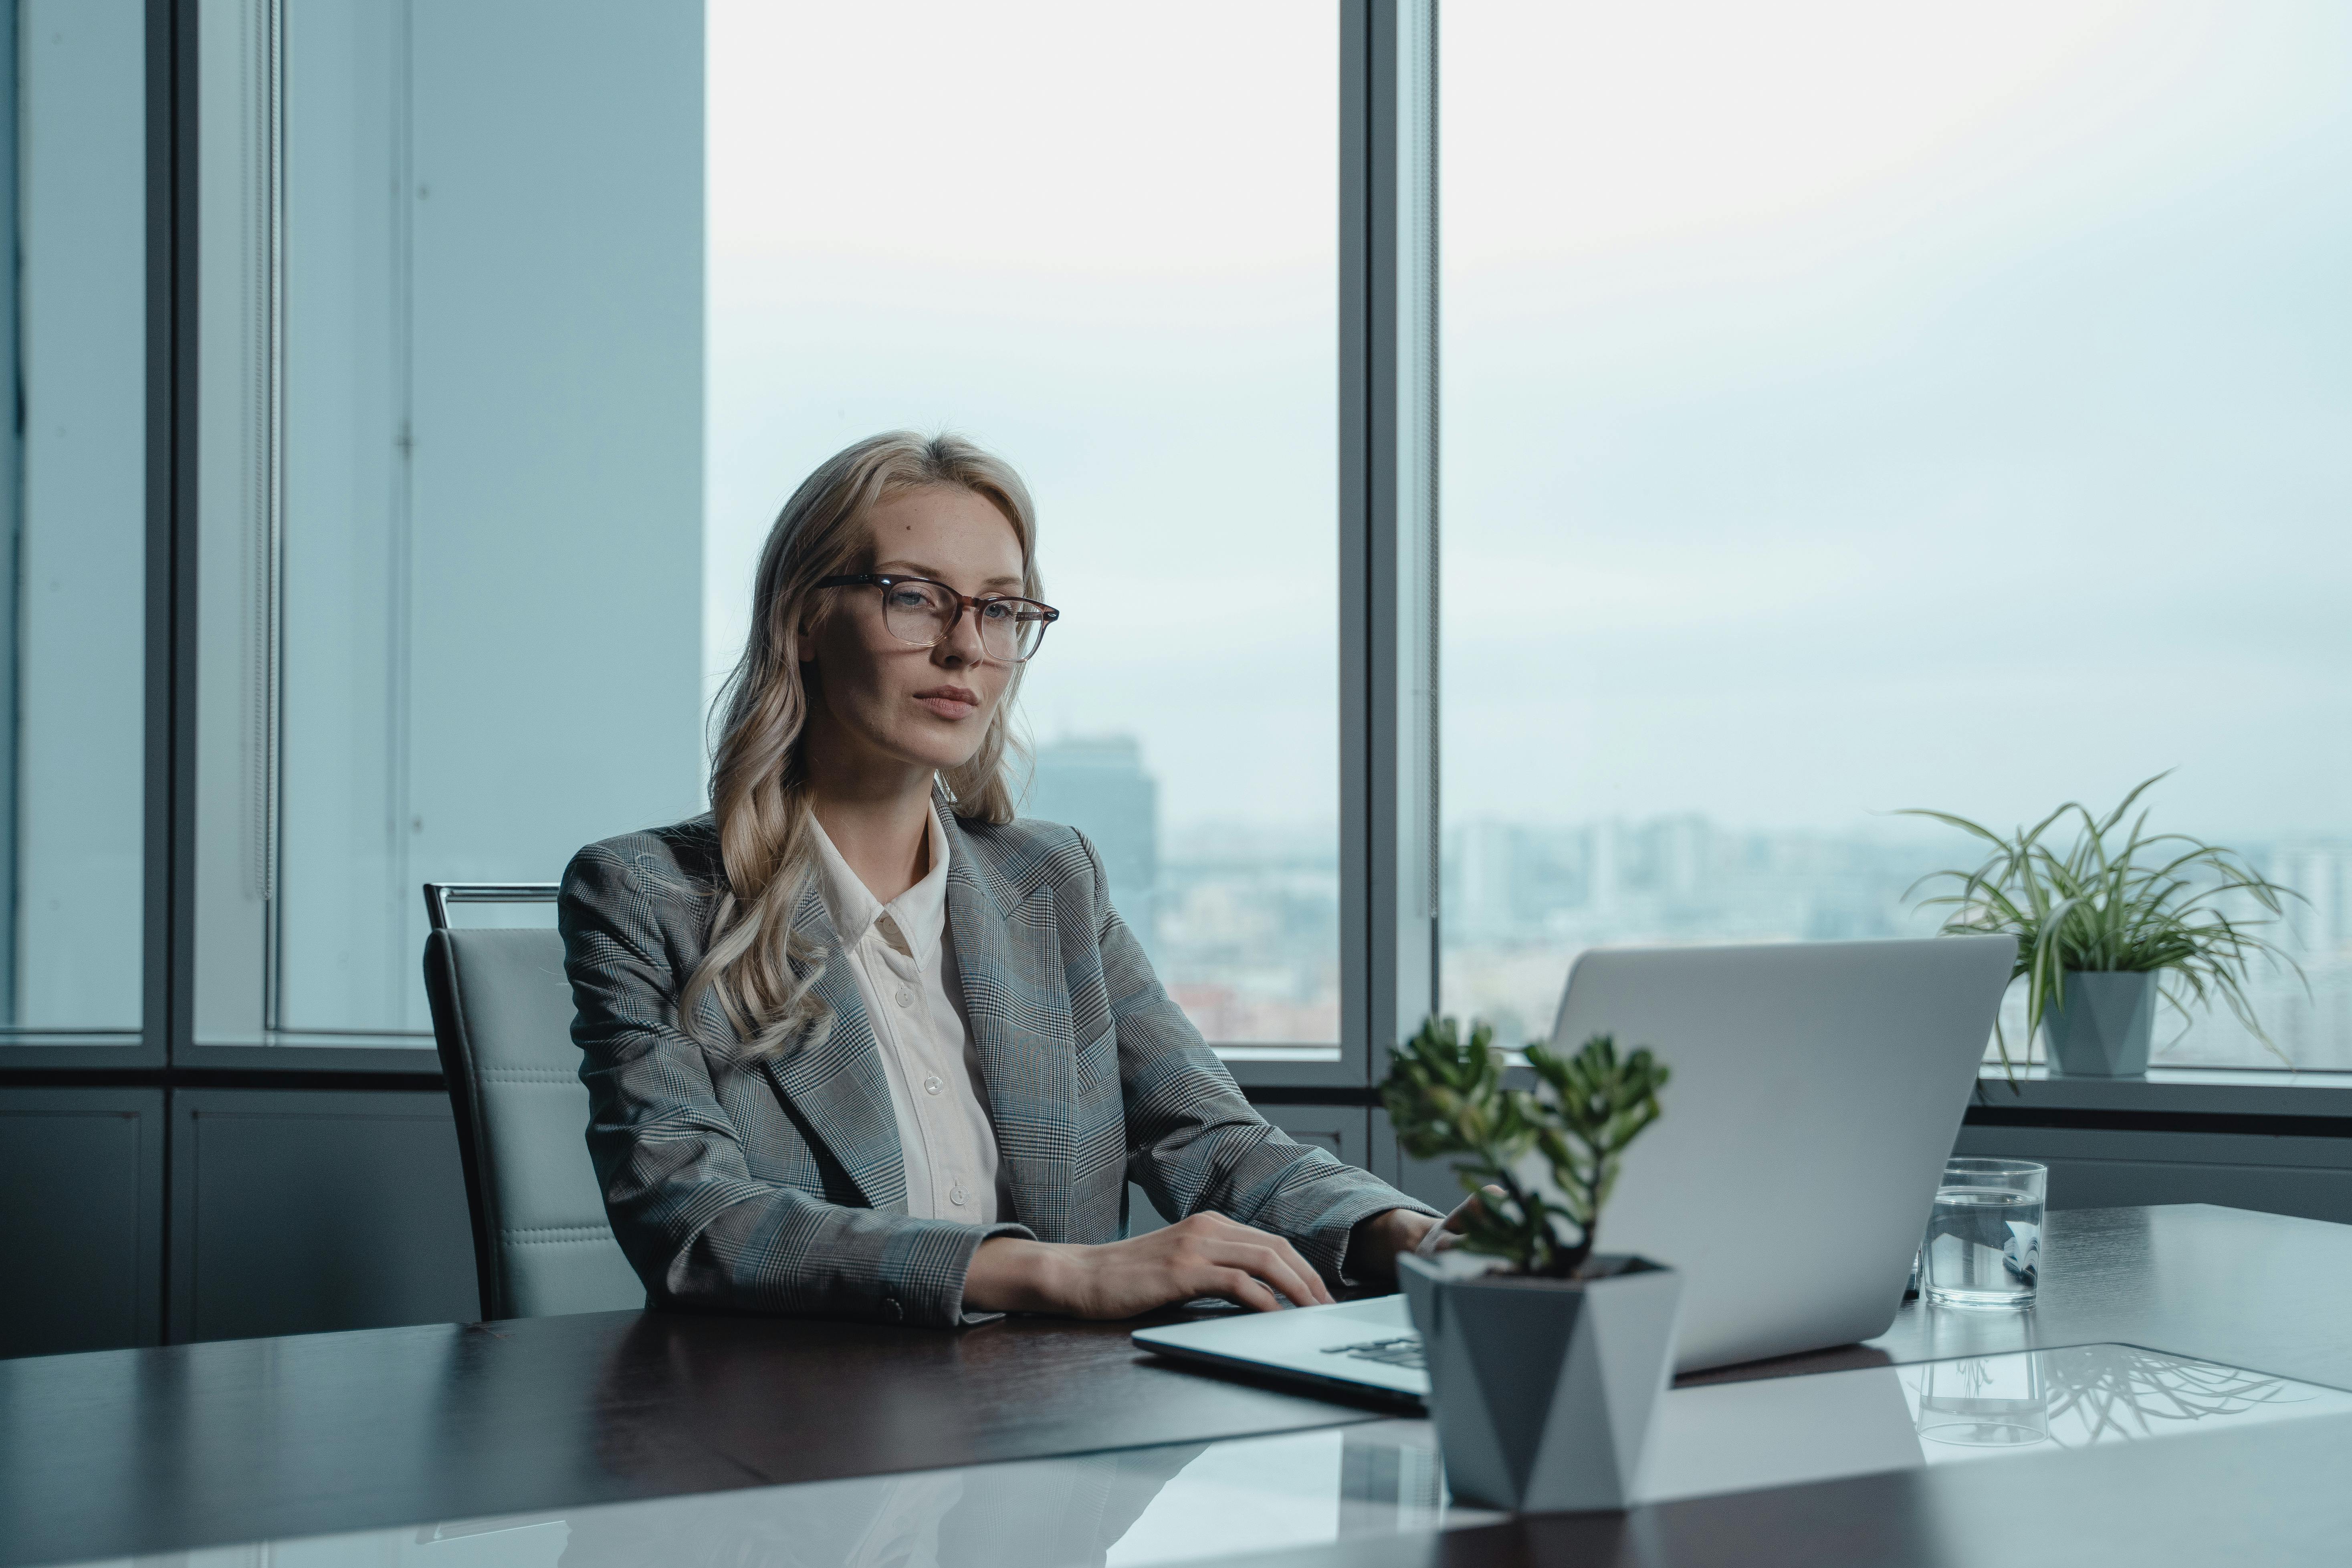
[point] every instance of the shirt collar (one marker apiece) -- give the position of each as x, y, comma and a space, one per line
919, 912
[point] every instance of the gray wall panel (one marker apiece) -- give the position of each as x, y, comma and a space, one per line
82, 1218
1343, 1130
296, 1212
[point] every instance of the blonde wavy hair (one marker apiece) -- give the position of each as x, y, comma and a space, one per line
760, 971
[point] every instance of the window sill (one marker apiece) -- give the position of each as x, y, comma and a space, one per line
1276, 1053
2166, 1095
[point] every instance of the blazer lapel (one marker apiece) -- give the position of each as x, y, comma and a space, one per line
835, 1081
1016, 997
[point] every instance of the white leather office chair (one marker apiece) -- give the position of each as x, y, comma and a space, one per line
502, 1019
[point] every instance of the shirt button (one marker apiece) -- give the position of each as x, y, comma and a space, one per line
957, 1197
906, 998
931, 1086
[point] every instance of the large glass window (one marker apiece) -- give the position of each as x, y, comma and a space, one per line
473, 556
1851, 407
73, 519
1101, 241
451, 470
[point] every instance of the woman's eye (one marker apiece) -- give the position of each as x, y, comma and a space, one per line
998, 610
908, 599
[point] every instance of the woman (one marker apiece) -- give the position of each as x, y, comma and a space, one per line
859, 1042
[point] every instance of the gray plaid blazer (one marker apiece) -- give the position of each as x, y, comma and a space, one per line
777, 1185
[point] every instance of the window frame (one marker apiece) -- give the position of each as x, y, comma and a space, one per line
1385, 556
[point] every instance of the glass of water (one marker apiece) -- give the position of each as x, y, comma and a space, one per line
1984, 1237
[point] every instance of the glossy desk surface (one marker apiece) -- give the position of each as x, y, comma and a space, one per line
1041, 1442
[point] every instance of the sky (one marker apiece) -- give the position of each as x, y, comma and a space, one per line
1868, 407
1105, 247
1846, 406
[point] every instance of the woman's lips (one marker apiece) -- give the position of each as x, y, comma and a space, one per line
951, 701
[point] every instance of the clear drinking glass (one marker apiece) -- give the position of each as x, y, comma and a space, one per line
1984, 1235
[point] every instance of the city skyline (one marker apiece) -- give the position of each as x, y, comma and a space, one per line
1241, 919
1520, 902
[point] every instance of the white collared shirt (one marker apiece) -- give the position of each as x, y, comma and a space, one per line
906, 973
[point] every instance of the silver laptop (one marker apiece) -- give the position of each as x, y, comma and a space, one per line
1816, 1092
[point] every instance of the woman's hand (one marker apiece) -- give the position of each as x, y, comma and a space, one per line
1374, 1244
1207, 1255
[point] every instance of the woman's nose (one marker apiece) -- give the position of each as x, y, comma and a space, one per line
961, 645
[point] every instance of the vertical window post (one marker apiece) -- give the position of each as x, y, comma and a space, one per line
1388, 489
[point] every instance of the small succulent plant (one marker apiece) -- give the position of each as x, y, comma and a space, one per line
1447, 1097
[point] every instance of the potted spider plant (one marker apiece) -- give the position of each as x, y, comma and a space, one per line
1545, 1367
2102, 923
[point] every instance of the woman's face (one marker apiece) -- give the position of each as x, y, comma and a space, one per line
924, 706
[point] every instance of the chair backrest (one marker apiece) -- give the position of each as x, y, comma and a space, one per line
502, 1019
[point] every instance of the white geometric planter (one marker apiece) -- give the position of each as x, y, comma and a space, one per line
1543, 1389
2103, 1029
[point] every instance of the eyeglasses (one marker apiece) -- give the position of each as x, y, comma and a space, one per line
919, 611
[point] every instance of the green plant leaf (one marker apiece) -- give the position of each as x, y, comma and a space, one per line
1446, 1097
2119, 898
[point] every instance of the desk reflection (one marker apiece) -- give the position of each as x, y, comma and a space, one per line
2080, 1396
1787, 1431
1136, 1508
1130, 1509
1057, 1512
1141, 1505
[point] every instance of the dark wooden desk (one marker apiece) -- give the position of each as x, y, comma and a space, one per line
2256, 1290
121, 1452
147, 1451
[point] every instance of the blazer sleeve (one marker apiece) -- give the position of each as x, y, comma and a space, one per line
699, 1228
1195, 1143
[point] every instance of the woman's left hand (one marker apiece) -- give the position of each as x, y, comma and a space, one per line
1373, 1246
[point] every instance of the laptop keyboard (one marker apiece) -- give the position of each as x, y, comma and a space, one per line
1404, 1351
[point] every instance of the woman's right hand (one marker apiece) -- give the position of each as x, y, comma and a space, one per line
1206, 1255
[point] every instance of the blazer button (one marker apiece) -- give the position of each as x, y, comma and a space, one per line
891, 1310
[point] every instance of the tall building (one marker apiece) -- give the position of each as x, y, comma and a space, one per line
1484, 902
1097, 785
2318, 924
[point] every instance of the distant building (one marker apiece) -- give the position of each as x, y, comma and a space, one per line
1483, 905
1098, 786
2318, 924
1677, 855
1504, 881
